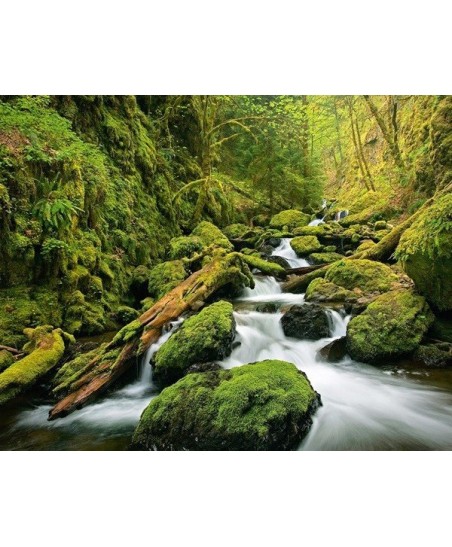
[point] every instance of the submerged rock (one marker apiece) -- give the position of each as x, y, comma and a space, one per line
267, 307
306, 322
202, 338
391, 327
260, 406
335, 350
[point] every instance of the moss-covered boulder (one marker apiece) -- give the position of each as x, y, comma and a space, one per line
184, 247
209, 234
289, 219
236, 231
45, 349
6, 359
305, 245
434, 355
204, 337
164, 277
264, 266
366, 275
306, 322
324, 258
126, 314
425, 250
392, 326
321, 290
260, 406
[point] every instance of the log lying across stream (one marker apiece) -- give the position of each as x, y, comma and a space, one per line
135, 338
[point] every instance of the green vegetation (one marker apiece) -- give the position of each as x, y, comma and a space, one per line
305, 245
366, 275
391, 327
260, 406
204, 337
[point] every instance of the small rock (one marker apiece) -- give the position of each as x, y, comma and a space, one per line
308, 322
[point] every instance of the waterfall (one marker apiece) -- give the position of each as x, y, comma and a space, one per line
285, 251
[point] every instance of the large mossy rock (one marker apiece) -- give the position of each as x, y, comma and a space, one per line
367, 275
289, 219
184, 247
305, 245
209, 234
45, 349
306, 322
166, 276
425, 250
259, 406
391, 327
205, 337
324, 258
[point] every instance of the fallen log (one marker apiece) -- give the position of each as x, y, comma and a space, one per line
11, 350
302, 270
134, 339
46, 348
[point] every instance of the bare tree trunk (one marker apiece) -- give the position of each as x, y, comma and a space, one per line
355, 144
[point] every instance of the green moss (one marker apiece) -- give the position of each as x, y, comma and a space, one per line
204, 337
127, 333
425, 250
268, 268
324, 258
164, 277
6, 359
260, 406
365, 245
235, 231
305, 245
366, 275
321, 230
48, 348
23, 307
289, 219
126, 314
320, 290
380, 225
211, 235
184, 247
392, 326
74, 369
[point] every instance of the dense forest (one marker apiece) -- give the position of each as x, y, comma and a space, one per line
243, 272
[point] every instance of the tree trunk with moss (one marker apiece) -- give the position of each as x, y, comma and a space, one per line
134, 339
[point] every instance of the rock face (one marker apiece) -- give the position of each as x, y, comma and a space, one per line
259, 406
305, 245
334, 351
391, 327
425, 250
289, 219
203, 338
366, 275
307, 322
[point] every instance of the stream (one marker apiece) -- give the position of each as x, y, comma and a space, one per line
364, 407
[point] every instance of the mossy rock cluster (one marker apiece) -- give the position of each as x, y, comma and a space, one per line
305, 245
391, 327
206, 336
425, 250
260, 406
164, 277
289, 220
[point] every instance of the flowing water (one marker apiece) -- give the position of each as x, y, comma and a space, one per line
364, 407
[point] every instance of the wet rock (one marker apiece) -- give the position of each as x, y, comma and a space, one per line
267, 307
334, 351
260, 406
434, 355
273, 242
203, 367
280, 261
306, 322
392, 326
